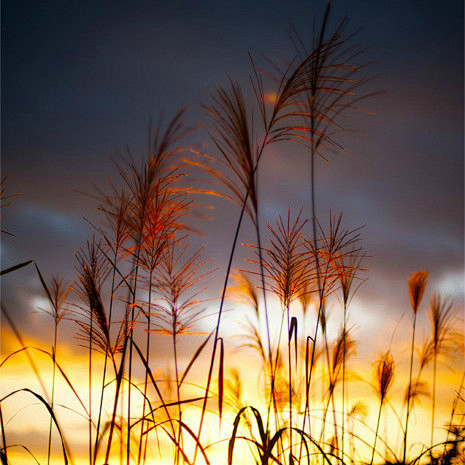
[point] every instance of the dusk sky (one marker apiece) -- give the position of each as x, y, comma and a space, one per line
81, 81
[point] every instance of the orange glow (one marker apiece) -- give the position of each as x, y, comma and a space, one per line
271, 98
16, 373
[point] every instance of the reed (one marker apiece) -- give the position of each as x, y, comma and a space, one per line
442, 341
59, 291
141, 285
385, 367
416, 286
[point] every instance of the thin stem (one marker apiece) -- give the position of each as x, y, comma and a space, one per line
453, 409
290, 383
220, 313
147, 356
320, 292
119, 379
262, 276
409, 389
376, 433
53, 389
178, 395
4, 448
275, 369
344, 376
434, 398
90, 388
131, 338
105, 363
332, 376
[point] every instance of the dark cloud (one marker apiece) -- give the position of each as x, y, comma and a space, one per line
80, 82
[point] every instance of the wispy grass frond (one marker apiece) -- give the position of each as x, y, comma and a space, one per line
385, 367
358, 409
442, 340
425, 354
116, 209
164, 220
330, 84
178, 307
287, 265
416, 286
158, 171
349, 267
384, 379
250, 334
441, 321
337, 253
344, 346
92, 271
59, 291
416, 390
232, 133
245, 292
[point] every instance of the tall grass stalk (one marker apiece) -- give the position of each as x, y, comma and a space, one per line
455, 402
58, 292
384, 377
417, 283
92, 272
145, 184
348, 269
231, 135
330, 84
178, 311
332, 247
4, 449
440, 313
115, 209
286, 266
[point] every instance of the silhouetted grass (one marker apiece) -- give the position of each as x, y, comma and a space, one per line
138, 282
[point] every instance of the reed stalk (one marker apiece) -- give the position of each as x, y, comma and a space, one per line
57, 294
384, 377
440, 318
417, 284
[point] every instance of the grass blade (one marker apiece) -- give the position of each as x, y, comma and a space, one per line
194, 358
155, 385
47, 406
15, 267
68, 381
3, 450
3, 455
221, 379
293, 332
44, 285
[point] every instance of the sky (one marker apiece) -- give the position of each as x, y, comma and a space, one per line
81, 81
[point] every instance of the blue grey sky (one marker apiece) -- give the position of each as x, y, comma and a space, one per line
80, 81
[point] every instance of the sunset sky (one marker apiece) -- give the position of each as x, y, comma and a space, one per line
81, 81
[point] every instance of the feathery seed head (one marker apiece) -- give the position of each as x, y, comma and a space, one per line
287, 265
59, 291
176, 279
93, 270
244, 291
384, 374
416, 285
344, 345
